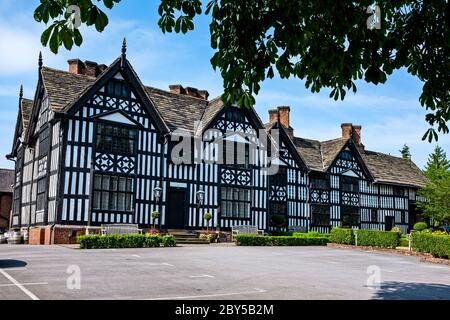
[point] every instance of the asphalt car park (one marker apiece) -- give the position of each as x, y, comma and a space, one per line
216, 272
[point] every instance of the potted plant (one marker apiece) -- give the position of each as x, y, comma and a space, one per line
155, 215
207, 216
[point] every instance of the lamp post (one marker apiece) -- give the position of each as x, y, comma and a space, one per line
200, 198
157, 191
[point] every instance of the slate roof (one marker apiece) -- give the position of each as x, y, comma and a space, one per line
26, 108
64, 87
384, 168
178, 111
393, 170
6, 180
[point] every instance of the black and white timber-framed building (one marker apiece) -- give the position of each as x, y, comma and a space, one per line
94, 143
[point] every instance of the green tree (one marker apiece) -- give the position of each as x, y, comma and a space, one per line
405, 152
436, 193
437, 161
329, 44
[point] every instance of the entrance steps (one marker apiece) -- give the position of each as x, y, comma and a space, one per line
185, 237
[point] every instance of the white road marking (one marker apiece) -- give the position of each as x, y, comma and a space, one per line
167, 264
25, 284
202, 276
136, 255
211, 295
19, 285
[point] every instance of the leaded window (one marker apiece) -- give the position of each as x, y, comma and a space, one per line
41, 194
113, 193
44, 141
320, 183
235, 203
374, 216
278, 208
115, 139
350, 217
320, 215
350, 184
236, 154
399, 191
280, 178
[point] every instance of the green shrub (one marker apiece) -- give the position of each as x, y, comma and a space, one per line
125, 241
419, 226
168, 241
311, 234
253, 240
397, 229
404, 242
375, 238
342, 236
281, 233
437, 245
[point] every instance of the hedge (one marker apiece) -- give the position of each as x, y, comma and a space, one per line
342, 236
382, 239
125, 241
437, 245
254, 240
311, 235
370, 238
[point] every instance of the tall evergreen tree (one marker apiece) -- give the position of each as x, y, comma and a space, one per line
405, 152
437, 160
437, 190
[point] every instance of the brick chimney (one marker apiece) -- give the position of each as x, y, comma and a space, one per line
76, 66
177, 88
352, 131
273, 116
347, 129
356, 135
203, 94
189, 91
284, 113
91, 68
88, 68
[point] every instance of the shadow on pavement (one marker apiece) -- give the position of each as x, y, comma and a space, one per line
393, 290
9, 263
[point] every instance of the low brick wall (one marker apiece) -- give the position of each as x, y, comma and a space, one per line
36, 236
67, 235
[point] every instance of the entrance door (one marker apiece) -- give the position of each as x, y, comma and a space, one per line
176, 208
389, 223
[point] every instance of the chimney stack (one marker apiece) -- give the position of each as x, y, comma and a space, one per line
91, 68
88, 68
189, 91
273, 116
283, 114
347, 129
356, 135
352, 131
76, 66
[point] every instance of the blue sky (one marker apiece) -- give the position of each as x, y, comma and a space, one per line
390, 114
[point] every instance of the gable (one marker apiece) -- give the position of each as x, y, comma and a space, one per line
116, 101
347, 164
232, 118
119, 88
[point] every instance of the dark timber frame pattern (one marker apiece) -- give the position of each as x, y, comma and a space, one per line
71, 162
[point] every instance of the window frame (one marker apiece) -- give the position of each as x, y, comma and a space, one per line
120, 126
99, 192
327, 215
352, 212
235, 203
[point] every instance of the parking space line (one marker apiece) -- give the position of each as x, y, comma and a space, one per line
211, 295
202, 276
25, 284
19, 285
